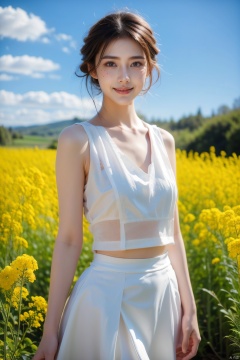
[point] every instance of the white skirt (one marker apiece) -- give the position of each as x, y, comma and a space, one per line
122, 309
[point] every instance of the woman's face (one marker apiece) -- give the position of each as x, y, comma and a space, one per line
122, 71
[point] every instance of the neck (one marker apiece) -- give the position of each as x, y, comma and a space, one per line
118, 115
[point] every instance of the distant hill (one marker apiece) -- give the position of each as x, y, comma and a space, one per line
198, 133
193, 132
51, 129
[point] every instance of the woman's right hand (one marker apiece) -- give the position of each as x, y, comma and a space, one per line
47, 348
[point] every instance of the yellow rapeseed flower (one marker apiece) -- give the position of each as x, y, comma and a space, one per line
215, 260
196, 242
37, 177
20, 242
33, 318
16, 227
209, 203
236, 209
234, 248
16, 295
39, 303
229, 239
25, 266
8, 277
6, 220
189, 218
24, 316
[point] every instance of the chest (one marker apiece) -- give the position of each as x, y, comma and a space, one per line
134, 146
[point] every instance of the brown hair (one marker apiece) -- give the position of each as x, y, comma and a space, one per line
115, 26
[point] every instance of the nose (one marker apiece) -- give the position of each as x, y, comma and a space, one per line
123, 75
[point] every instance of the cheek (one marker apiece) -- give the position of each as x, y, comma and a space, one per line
104, 74
144, 72
139, 73
140, 76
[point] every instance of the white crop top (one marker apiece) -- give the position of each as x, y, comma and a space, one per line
126, 207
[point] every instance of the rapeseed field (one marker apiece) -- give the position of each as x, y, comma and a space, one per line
209, 208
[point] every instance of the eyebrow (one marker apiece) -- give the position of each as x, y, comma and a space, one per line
116, 57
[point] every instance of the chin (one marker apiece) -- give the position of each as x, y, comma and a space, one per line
124, 103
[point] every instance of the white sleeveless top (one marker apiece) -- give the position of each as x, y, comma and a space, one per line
126, 207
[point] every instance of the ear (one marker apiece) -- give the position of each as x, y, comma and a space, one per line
93, 73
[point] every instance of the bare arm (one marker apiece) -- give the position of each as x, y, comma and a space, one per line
177, 255
70, 174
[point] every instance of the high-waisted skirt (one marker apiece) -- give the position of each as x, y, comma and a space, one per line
122, 309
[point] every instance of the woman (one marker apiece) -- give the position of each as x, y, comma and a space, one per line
135, 301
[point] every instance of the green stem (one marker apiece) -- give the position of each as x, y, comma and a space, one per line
214, 351
19, 313
3, 310
220, 332
208, 299
238, 268
21, 341
6, 326
5, 331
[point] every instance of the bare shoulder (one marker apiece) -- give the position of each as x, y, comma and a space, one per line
168, 139
169, 143
73, 134
73, 137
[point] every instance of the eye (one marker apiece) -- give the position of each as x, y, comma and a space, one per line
110, 64
136, 64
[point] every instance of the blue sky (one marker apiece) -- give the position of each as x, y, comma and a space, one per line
40, 42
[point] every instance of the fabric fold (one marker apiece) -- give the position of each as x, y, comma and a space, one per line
122, 309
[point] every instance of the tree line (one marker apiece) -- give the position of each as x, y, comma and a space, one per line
8, 135
198, 133
192, 132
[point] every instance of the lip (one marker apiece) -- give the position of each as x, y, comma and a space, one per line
123, 90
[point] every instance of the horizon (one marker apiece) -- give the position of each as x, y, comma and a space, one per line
149, 121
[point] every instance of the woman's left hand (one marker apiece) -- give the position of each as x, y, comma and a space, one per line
190, 338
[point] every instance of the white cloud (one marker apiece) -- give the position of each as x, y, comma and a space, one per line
38, 107
17, 24
66, 50
56, 99
6, 77
27, 116
9, 98
45, 40
63, 37
68, 39
73, 44
27, 65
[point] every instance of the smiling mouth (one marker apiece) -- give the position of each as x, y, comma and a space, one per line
123, 90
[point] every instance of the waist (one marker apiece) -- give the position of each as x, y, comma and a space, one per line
110, 263
139, 253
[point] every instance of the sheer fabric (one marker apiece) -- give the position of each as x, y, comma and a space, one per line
127, 207
144, 233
